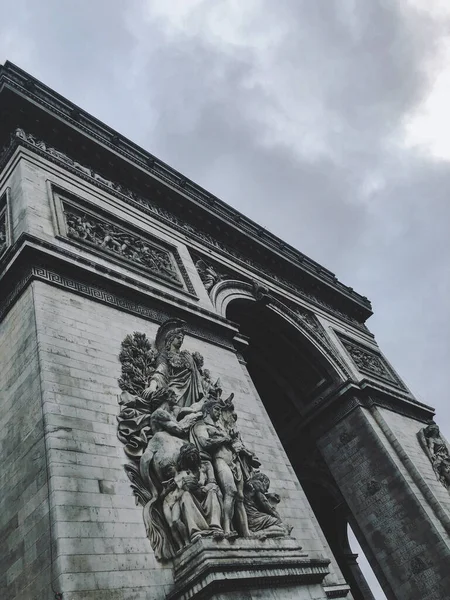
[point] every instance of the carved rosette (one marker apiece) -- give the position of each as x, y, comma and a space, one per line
189, 466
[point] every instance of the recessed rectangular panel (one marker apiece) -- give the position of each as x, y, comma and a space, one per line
92, 228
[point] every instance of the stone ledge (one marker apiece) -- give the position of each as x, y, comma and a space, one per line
209, 566
336, 591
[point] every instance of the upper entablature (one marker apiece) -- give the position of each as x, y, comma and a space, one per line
95, 151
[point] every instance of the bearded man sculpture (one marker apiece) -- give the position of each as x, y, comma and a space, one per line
216, 446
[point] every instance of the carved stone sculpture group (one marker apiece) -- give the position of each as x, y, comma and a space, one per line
435, 447
189, 467
86, 228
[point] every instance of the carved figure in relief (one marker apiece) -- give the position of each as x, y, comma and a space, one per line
86, 227
189, 469
203, 486
208, 274
435, 447
167, 478
247, 459
262, 515
178, 369
218, 446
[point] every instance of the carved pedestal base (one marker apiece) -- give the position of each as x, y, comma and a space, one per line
208, 567
337, 591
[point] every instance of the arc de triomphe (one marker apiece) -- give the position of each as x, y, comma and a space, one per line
191, 408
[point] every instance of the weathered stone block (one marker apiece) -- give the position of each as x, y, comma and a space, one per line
207, 568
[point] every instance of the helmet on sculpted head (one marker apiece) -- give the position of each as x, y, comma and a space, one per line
179, 331
167, 332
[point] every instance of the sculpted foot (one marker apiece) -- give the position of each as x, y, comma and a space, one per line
218, 534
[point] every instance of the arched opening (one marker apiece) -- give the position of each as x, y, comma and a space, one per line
291, 375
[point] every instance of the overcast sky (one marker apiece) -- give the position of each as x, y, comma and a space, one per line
326, 121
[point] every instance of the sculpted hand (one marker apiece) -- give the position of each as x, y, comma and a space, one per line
211, 487
197, 406
190, 483
147, 393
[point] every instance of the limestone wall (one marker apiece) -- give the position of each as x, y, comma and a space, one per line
24, 508
101, 545
33, 212
404, 430
405, 541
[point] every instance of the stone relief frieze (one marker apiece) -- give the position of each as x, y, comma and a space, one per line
189, 467
89, 229
183, 225
370, 362
436, 448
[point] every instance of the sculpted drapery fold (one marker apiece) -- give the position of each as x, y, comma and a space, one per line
435, 447
189, 467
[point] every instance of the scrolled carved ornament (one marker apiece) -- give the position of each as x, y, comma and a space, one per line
189, 467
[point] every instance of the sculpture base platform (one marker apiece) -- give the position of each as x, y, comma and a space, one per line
209, 567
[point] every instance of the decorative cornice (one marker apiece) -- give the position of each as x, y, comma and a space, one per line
335, 411
22, 279
16, 79
363, 395
336, 591
170, 219
408, 407
215, 328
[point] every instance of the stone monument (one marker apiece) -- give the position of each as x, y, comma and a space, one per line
191, 407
